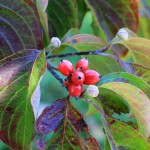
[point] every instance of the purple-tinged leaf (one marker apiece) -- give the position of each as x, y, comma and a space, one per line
20, 27
41, 144
139, 70
70, 33
112, 16
84, 38
51, 117
139, 48
146, 5
19, 76
66, 123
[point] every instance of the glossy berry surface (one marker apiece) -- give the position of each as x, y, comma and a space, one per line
82, 64
77, 78
91, 77
65, 67
74, 90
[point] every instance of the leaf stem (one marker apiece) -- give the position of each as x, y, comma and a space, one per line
105, 124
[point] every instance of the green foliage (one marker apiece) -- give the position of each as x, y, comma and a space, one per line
113, 15
139, 48
126, 137
126, 78
16, 114
138, 101
41, 6
25, 28
21, 68
60, 12
84, 42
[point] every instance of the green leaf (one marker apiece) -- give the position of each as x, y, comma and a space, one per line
140, 71
85, 42
110, 101
139, 48
70, 33
144, 29
85, 39
126, 78
62, 16
67, 124
90, 26
91, 109
20, 27
144, 19
81, 9
112, 16
126, 137
105, 124
19, 77
138, 102
41, 6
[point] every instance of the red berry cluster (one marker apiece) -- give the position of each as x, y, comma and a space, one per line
75, 78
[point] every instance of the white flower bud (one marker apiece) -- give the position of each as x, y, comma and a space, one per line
123, 34
55, 42
92, 91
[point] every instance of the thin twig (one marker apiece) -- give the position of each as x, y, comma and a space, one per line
50, 66
95, 52
105, 124
51, 70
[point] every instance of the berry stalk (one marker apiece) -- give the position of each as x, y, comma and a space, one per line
51, 70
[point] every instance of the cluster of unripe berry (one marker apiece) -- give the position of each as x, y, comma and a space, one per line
78, 76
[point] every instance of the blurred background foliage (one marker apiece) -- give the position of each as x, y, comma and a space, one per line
96, 17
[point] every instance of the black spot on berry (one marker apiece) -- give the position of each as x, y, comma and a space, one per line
79, 77
80, 68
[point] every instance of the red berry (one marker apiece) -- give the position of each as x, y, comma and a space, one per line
66, 82
82, 64
74, 90
77, 78
65, 67
91, 77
